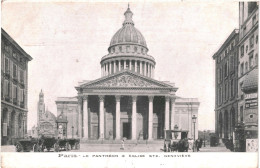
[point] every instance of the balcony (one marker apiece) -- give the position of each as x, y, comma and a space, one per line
15, 102
22, 104
7, 74
7, 98
15, 79
22, 83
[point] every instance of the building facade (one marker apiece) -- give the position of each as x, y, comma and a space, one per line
226, 78
68, 107
248, 49
46, 120
14, 90
127, 101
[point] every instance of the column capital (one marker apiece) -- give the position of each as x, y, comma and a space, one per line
85, 97
134, 98
79, 99
150, 98
118, 97
173, 98
167, 98
101, 97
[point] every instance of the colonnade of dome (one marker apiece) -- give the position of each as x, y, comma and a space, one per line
128, 51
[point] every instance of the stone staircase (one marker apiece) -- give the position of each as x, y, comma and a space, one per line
120, 141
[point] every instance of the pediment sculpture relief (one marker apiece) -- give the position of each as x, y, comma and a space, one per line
125, 81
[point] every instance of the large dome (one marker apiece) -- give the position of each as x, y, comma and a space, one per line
128, 34
128, 51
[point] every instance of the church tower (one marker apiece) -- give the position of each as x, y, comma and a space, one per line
41, 107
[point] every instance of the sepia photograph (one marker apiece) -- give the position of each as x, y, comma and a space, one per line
129, 80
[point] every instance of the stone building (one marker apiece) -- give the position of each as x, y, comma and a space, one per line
236, 95
248, 50
226, 77
46, 120
68, 107
14, 89
127, 101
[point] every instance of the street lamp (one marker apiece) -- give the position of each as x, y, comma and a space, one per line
72, 131
194, 122
204, 137
176, 133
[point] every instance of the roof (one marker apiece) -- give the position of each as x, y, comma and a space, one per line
251, 81
11, 40
128, 33
127, 79
224, 45
66, 99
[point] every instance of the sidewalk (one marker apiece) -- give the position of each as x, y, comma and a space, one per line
214, 149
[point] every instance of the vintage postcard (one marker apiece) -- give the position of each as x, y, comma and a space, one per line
129, 83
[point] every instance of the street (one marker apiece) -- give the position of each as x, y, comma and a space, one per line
84, 147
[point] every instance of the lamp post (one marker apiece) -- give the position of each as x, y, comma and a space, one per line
72, 131
194, 122
204, 137
176, 133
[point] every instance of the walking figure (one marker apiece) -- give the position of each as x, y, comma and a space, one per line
123, 144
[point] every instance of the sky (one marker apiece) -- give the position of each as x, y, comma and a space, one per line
68, 39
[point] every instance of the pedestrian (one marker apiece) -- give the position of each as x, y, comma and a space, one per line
123, 144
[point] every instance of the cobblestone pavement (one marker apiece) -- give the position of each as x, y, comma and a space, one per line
84, 147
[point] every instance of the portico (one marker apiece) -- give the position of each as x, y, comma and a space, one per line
134, 108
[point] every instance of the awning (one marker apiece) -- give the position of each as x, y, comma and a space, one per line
251, 81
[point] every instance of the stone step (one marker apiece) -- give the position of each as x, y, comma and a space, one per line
120, 141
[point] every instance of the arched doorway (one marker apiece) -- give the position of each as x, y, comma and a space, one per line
20, 126
13, 124
226, 124
232, 123
220, 124
4, 127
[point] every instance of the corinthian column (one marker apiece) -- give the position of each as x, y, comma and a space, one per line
106, 69
130, 65
101, 116
110, 68
117, 117
124, 64
135, 70
172, 112
85, 110
79, 117
141, 67
150, 122
166, 118
134, 117
145, 69
114, 66
119, 65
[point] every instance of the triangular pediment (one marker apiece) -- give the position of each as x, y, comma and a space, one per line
126, 79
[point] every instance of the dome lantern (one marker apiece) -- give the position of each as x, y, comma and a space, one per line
128, 17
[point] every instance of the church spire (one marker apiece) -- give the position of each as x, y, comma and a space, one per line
128, 16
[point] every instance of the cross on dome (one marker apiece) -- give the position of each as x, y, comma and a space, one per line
128, 16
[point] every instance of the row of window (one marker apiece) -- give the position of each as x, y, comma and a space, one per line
250, 23
251, 45
225, 53
14, 54
12, 93
245, 67
127, 49
227, 68
227, 92
7, 67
